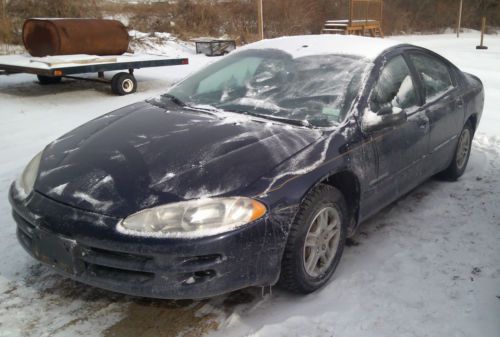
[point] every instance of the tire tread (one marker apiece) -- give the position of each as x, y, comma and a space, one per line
288, 279
452, 172
116, 83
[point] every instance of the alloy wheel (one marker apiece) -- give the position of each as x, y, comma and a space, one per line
321, 242
463, 148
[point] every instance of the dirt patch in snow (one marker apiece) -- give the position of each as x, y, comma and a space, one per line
163, 319
186, 318
134, 317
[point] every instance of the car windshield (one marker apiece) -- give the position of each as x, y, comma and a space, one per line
313, 90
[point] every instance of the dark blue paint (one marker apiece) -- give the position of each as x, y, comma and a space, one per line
140, 144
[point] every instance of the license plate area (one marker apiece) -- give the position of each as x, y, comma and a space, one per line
56, 251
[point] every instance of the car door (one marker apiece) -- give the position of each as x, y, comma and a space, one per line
400, 149
443, 106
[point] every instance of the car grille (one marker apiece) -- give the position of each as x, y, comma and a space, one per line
24, 230
126, 267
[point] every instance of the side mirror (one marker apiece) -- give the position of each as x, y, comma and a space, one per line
387, 117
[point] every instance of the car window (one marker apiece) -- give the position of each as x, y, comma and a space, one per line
233, 76
316, 90
395, 87
434, 74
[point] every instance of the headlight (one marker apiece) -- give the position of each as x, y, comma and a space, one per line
27, 180
195, 218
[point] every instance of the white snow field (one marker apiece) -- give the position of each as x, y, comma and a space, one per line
429, 265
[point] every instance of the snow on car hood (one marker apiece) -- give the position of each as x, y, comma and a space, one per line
143, 155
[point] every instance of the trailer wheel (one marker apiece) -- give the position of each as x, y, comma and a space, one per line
123, 84
44, 80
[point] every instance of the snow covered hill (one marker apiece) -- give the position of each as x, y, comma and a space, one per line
428, 265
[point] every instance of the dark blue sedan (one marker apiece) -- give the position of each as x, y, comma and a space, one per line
251, 172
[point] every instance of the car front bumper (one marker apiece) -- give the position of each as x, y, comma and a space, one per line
86, 247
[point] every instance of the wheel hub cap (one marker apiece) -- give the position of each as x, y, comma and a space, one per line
463, 148
128, 85
321, 242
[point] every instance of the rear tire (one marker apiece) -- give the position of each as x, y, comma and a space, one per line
45, 80
123, 84
461, 155
313, 251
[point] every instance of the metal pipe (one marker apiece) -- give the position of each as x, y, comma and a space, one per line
483, 29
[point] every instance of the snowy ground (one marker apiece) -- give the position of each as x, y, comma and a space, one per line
429, 265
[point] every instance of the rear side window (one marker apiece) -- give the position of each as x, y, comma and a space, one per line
395, 87
434, 74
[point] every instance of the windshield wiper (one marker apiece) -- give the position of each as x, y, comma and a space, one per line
291, 121
296, 122
183, 104
213, 110
174, 99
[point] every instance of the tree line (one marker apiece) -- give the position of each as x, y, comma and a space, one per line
237, 18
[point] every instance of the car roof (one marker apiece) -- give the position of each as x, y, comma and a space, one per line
308, 45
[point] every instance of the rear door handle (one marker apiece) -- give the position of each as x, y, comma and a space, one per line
460, 103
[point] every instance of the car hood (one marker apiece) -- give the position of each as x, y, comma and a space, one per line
146, 154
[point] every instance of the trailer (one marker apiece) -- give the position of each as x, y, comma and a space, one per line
51, 69
214, 47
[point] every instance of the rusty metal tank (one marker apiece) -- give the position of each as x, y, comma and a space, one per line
44, 37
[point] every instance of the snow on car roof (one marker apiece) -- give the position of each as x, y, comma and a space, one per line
307, 45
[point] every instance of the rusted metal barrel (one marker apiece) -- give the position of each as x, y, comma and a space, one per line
44, 37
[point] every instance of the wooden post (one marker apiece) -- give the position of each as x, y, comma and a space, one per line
381, 12
260, 11
483, 29
367, 7
459, 25
351, 11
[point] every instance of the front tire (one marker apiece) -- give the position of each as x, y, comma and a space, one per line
316, 241
461, 155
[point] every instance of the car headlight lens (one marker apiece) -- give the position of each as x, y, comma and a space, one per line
194, 218
27, 180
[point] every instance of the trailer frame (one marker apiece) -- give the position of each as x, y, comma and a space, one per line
122, 83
